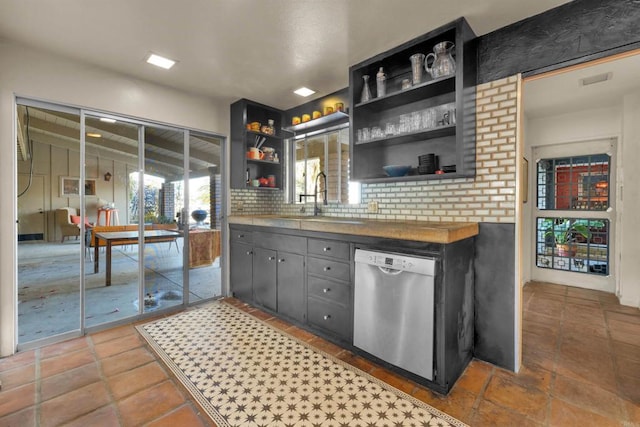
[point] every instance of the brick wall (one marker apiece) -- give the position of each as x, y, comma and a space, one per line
489, 197
167, 196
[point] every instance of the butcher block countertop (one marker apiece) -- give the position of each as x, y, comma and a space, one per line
421, 231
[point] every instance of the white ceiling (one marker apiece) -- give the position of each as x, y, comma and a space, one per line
256, 49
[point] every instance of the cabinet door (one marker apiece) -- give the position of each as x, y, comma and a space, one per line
264, 280
291, 295
242, 270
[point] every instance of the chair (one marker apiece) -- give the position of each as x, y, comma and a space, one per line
69, 222
67, 227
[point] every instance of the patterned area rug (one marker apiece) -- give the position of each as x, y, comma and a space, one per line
244, 372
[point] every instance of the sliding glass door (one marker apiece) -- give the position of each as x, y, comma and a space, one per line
117, 219
113, 167
163, 243
49, 230
203, 207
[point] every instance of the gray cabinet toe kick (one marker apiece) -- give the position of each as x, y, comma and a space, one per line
307, 278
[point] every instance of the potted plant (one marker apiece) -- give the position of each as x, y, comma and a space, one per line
564, 232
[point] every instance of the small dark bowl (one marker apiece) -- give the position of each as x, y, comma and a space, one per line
396, 170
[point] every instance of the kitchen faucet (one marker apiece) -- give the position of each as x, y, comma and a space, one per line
316, 209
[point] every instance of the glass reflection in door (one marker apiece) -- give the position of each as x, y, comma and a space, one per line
163, 241
202, 210
49, 222
111, 276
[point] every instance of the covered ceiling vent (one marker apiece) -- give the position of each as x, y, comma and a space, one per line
596, 79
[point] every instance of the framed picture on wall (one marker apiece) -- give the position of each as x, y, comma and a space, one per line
70, 186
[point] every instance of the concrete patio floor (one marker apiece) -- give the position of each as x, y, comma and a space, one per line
49, 285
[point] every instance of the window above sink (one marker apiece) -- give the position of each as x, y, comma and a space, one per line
326, 152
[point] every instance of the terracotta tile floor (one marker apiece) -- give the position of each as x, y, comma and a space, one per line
581, 367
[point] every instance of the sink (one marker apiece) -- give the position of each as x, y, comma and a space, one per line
292, 219
335, 220
312, 218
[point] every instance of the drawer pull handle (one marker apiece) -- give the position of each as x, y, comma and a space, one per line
271, 258
327, 268
240, 236
281, 260
249, 253
325, 290
327, 317
326, 248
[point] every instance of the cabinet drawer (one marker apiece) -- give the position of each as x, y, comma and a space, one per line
328, 268
329, 248
329, 316
242, 236
328, 289
280, 242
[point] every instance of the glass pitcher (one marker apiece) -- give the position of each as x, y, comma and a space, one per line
443, 63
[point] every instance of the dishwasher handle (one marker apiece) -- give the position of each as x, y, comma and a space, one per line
390, 271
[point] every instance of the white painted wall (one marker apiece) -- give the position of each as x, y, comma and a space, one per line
620, 122
575, 126
33, 74
630, 236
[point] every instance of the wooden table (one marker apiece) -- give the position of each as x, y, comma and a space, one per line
126, 237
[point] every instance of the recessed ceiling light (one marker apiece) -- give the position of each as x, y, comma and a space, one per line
304, 91
94, 135
106, 120
596, 79
160, 61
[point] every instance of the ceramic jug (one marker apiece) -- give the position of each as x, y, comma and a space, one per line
443, 63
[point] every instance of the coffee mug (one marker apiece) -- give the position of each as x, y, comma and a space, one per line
255, 183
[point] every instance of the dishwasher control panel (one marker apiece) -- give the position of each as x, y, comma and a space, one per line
396, 261
389, 262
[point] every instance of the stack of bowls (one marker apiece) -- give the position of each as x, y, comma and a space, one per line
427, 164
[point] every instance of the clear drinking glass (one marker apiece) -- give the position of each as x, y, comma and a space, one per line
404, 125
376, 132
417, 63
428, 117
390, 129
366, 134
416, 122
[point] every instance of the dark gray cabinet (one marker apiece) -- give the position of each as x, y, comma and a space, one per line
268, 269
290, 284
241, 272
278, 282
329, 287
392, 130
265, 290
313, 285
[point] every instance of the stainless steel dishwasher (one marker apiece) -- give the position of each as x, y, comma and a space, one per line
394, 309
